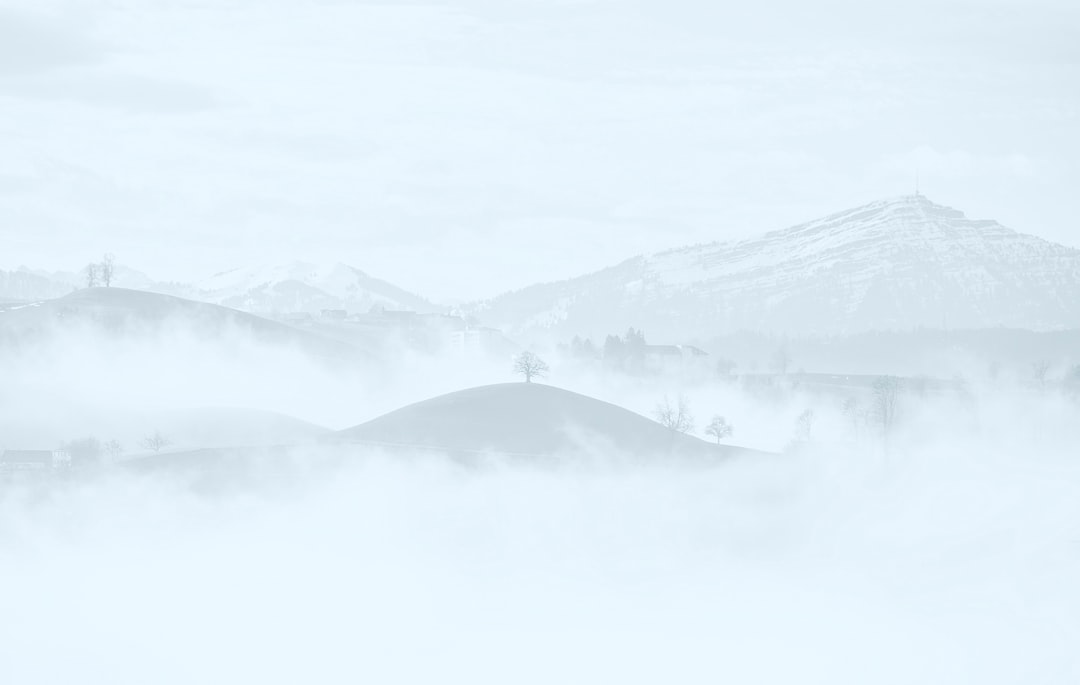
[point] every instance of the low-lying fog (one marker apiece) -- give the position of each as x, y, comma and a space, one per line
948, 553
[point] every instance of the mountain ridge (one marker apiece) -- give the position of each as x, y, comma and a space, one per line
891, 264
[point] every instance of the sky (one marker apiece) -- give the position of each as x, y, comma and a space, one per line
461, 148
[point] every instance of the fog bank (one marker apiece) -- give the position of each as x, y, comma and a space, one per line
947, 566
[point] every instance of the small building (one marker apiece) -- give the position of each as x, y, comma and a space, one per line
474, 339
33, 460
334, 314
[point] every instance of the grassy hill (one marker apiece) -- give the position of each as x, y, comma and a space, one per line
527, 419
119, 311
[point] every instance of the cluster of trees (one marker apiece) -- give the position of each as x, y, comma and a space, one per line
89, 452
583, 348
628, 348
1040, 372
101, 273
677, 417
883, 410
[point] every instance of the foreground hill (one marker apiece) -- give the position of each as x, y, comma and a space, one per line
894, 264
527, 419
120, 311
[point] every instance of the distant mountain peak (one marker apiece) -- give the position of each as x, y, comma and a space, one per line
895, 263
301, 286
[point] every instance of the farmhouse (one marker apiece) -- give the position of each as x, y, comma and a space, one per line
33, 460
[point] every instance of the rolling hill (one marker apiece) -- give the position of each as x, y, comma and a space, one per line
527, 419
119, 311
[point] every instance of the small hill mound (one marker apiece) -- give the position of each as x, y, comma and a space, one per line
527, 419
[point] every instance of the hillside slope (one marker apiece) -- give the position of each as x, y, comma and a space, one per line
893, 264
119, 311
527, 419
35, 427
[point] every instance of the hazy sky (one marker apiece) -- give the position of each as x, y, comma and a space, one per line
463, 147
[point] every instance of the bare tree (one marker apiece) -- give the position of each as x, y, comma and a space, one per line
155, 441
676, 418
113, 450
850, 409
530, 365
781, 360
719, 428
108, 268
886, 400
1039, 370
91, 275
804, 425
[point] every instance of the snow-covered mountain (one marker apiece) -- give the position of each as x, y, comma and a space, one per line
278, 289
893, 264
303, 287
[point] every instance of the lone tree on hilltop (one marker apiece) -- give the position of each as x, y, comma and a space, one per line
676, 418
529, 365
719, 428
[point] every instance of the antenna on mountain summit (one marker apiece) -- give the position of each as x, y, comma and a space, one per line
916, 181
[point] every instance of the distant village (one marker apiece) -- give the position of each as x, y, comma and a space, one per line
631, 353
